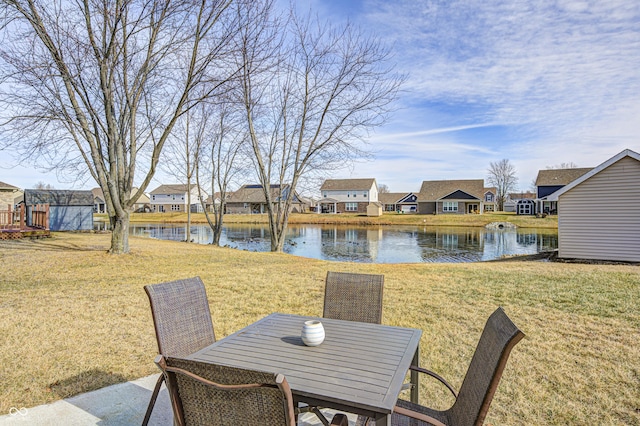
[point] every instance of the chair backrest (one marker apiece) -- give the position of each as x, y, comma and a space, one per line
212, 394
499, 336
353, 297
181, 316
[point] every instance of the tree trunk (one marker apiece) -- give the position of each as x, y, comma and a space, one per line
188, 233
119, 234
217, 229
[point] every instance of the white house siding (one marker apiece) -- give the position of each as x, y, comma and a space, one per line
600, 218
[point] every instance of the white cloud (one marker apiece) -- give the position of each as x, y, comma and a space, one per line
562, 75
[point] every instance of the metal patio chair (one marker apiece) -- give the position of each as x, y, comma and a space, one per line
472, 403
353, 297
182, 322
211, 394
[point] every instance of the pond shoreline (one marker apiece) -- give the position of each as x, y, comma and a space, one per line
466, 220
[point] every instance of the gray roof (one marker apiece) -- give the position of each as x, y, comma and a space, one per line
6, 186
557, 177
391, 197
58, 197
347, 184
432, 190
172, 189
253, 193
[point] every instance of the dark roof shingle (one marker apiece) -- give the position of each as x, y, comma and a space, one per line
432, 190
553, 177
347, 184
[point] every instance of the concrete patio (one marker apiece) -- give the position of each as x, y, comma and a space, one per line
123, 404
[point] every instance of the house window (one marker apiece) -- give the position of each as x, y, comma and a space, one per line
489, 198
175, 207
351, 207
365, 195
325, 195
450, 206
153, 197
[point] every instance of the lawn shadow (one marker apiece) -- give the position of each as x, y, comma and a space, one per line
114, 404
84, 382
48, 245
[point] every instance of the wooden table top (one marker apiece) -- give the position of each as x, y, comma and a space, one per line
358, 368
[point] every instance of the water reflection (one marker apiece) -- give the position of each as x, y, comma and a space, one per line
388, 244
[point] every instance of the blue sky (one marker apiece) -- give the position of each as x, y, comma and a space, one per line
537, 82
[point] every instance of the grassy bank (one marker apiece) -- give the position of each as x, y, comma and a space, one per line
73, 319
347, 218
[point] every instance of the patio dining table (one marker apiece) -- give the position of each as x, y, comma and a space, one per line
359, 368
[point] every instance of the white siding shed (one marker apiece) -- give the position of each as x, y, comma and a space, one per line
599, 213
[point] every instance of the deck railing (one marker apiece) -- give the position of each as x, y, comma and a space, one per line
40, 216
10, 219
15, 219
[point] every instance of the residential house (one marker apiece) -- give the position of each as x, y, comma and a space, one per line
490, 201
598, 213
550, 181
173, 198
310, 204
250, 199
452, 196
8, 195
68, 210
142, 205
401, 202
99, 203
347, 195
213, 200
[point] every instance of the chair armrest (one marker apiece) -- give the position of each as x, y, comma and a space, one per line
419, 416
340, 420
435, 376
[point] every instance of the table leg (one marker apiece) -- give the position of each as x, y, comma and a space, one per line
384, 420
414, 377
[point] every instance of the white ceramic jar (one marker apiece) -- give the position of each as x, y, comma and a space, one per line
312, 333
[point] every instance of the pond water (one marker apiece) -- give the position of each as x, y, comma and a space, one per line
370, 244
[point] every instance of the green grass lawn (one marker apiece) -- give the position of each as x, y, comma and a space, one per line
73, 319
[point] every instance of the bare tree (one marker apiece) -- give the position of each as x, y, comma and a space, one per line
383, 189
96, 86
42, 185
181, 157
502, 175
221, 136
310, 99
569, 165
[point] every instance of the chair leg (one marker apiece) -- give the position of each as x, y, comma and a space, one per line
154, 396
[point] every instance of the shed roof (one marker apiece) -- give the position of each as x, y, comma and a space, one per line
594, 171
432, 190
347, 184
553, 177
58, 197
